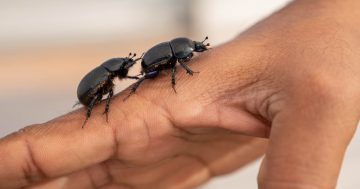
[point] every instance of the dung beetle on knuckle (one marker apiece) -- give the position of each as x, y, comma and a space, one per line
164, 56
99, 82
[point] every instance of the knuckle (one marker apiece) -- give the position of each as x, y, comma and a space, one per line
327, 88
32, 171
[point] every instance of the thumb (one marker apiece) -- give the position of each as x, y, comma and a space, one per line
308, 140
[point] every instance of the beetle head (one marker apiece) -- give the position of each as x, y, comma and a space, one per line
130, 60
200, 46
120, 66
123, 68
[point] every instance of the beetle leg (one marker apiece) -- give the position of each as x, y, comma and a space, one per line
135, 86
173, 79
149, 75
107, 105
132, 77
76, 104
187, 68
90, 107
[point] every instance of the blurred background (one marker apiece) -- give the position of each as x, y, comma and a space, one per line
46, 47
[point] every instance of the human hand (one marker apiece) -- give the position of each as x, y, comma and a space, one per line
140, 146
292, 78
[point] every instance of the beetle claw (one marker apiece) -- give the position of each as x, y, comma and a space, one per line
173, 87
107, 116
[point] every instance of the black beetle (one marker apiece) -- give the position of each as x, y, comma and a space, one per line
165, 55
99, 82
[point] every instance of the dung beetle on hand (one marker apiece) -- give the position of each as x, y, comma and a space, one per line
99, 82
164, 56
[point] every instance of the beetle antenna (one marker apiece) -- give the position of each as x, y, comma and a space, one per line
206, 38
208, 44
130, 54
140, 57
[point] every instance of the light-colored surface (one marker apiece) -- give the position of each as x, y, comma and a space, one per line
46, 47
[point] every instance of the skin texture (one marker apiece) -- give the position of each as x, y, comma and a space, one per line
292, 78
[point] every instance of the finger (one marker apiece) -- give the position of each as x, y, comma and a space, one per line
307, 143
92, 177
53, 149
192, 168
